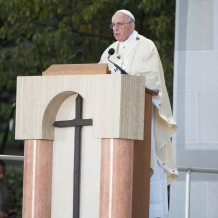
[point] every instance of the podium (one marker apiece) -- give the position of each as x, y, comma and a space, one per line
87, 143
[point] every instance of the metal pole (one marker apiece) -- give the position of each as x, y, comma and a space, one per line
11, 157
187, 206
188, 171
198, 170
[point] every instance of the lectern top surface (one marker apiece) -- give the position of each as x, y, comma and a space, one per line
76, 69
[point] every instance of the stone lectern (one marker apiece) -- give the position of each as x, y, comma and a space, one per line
87, 143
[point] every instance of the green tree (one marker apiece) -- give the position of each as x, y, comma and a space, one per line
35, 34
13, 180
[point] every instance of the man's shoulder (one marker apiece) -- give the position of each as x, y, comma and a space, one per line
113, 45
146, 45
105, 53
143, 39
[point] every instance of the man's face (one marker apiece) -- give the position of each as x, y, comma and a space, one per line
123, 32
2, 173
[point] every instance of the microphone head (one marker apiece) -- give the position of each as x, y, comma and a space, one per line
111, 51
78, 53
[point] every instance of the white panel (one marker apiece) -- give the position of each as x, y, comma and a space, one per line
63, 162
212, 199
196, 70
216, 25
181, 25
185, 112
196, 106
200, 32
207, 116
194, 25
192, 155
197, 200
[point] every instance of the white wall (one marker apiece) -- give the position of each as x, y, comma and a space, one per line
196, 105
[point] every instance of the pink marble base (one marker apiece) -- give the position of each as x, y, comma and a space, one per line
116, 178
37, 179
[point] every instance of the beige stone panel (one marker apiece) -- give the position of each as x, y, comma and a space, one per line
116, 103
132, 108
120, 111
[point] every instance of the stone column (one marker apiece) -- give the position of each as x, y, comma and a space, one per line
37, 178
116, 178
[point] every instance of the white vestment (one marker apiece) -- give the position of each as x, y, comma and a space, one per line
158, 184
138, 56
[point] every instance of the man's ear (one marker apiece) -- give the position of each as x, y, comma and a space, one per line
132, 26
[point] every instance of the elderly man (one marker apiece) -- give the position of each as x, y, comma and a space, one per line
138, 56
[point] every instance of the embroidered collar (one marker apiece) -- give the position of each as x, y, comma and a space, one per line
133, 36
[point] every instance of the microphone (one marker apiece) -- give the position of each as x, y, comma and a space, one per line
77, 54
111, 52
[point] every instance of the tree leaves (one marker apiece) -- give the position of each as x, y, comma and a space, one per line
13, 180
36, 34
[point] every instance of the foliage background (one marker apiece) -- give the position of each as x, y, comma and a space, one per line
13, 180
36, 34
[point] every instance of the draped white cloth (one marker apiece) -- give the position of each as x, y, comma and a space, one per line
158, 184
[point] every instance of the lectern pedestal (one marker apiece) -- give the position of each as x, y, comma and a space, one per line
116, 104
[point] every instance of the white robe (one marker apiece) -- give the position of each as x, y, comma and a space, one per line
158, 206
138, 56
